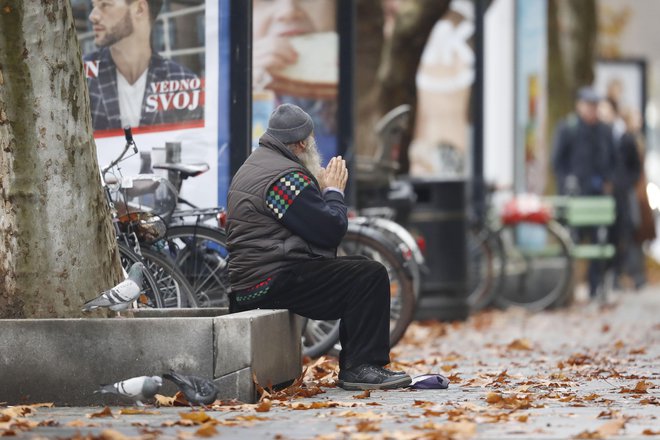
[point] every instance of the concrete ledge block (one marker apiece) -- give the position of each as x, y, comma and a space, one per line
65, 360
270, 344
237, 385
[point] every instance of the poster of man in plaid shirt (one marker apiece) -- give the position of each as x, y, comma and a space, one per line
130, 83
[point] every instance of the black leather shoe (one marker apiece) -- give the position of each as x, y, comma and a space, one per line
372, 377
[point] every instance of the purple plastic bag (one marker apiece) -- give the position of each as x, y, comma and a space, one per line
429, 382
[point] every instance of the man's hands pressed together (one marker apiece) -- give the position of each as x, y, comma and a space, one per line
335, 174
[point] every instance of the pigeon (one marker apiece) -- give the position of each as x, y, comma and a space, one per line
136, 388
198, 390
122, 295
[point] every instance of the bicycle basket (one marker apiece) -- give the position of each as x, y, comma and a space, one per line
148, 193
148, 227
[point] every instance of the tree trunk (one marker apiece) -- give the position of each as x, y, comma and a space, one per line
388, 80
58, 247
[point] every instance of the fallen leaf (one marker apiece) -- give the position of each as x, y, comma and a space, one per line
640, 388
79, 424
263, 406
522, 418
17, 411
367, 426
364, 395
135, 411
608, 414
198, 417
207, 430
619, 344
105, 412
177, 400
520, 344
111, 434
423, 404
42, 405
612, 428
605, 328
650, 432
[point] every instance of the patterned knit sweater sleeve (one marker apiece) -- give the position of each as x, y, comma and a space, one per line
297, 203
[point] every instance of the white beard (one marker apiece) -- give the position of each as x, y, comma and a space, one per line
311, 158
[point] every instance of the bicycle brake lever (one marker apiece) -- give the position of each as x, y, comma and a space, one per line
128, 134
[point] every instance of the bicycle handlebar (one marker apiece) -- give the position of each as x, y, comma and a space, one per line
128, 134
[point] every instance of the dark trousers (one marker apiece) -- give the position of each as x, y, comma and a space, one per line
353, 289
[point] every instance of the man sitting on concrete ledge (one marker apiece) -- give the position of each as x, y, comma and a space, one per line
285, 218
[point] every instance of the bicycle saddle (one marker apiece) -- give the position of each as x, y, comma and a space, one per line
185, 169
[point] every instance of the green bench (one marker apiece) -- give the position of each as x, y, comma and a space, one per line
587, 211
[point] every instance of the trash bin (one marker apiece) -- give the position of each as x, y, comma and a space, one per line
439, 215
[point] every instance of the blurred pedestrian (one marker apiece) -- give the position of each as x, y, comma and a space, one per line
583, 160
644, 226
627, 173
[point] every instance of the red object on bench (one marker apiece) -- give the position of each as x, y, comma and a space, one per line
526, 208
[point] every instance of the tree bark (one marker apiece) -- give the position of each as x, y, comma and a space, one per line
57, 243
388, 80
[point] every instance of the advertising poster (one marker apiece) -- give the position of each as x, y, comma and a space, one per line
295, 52
531, 153
153, 65
441, 143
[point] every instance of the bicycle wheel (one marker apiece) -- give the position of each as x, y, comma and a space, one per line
538, 265
318, 337
485, 267
172, 284
200, 252
402, 295
149, 284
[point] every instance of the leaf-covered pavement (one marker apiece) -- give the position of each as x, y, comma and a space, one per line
588, 372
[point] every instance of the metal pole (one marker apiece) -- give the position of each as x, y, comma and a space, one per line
478, 194
240, 106
346, 105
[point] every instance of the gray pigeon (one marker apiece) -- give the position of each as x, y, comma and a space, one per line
198, 390
122, 295
136, 388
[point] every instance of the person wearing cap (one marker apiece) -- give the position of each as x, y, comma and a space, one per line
583, 156
285, 218
583, 160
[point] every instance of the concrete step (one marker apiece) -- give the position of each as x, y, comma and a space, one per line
64, 360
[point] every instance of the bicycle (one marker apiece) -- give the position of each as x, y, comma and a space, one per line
196, 241
529, 254
138, 226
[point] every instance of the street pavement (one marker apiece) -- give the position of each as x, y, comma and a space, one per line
589, 371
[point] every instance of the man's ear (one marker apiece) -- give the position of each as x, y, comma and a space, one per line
142, 9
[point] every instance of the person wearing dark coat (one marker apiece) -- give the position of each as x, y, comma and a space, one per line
583, 161
286, 216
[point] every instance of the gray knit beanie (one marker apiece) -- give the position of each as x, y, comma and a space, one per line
289, 124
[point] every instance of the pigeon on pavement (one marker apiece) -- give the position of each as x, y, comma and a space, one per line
136, 388
198, 390
122, 295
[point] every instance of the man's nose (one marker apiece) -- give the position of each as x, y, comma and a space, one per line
94, 16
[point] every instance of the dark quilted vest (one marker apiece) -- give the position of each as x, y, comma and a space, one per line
259, 245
